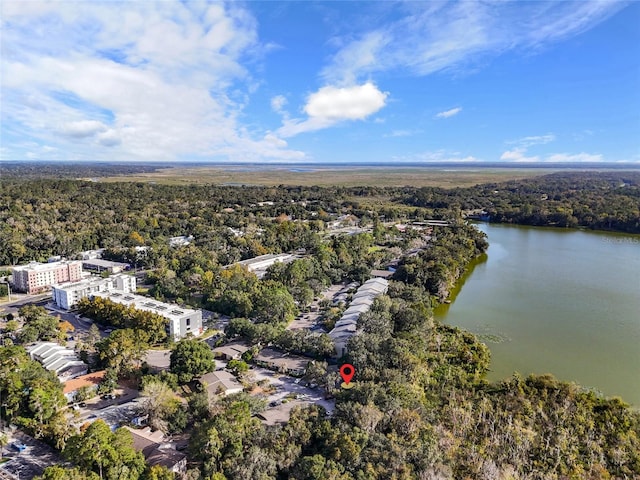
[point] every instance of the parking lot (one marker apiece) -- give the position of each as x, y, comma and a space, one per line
30, 462
114, 412
286, 388
309, 320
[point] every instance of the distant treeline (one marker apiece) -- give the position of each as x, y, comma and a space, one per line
44, 217
33, 170
595, 200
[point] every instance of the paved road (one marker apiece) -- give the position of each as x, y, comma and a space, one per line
14, 306
158, 359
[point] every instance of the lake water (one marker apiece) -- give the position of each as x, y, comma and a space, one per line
556, 301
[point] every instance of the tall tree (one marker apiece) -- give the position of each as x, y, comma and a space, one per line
191, 358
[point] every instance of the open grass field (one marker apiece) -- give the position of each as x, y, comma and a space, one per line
328, 176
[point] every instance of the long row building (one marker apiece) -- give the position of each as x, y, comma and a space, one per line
347, 326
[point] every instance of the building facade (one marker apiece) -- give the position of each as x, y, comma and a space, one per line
180, 321
38, 277
98, 265
67, 296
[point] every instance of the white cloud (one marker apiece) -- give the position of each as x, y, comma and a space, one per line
144, 80
527, 142
110, 138
278, 102
274, 140
400, 133
358, 56
574, 158
518, 155
434, 36
438, 156
331, 105
83, 128
449, 113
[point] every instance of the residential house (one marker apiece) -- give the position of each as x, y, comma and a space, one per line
220, 383
231, 351
90, 380
157, 451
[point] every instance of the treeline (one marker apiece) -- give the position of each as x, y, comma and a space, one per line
110, 314
40, 218
595, 200
437, 268
34, 170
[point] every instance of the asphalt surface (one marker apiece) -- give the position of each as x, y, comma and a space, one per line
32, 461
22, 300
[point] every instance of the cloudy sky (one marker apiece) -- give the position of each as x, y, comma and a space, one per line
381, 81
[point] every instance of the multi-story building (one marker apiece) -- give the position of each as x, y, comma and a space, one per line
180, 321
68, 295
37, 277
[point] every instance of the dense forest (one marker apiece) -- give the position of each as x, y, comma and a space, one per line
420, 407
600, 201
44, 217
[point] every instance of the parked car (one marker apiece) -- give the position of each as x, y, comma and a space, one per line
20, 447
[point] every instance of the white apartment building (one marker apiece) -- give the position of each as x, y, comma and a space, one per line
68, 295
181, 320
36, 277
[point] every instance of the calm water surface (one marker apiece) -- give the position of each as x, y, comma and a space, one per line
555, 301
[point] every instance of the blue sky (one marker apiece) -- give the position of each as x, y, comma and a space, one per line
321, 81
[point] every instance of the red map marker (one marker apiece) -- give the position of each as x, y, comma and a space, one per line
347, 372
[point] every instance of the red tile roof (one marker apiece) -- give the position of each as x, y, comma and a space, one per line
88, 380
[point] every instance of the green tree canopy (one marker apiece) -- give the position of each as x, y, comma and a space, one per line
191, 358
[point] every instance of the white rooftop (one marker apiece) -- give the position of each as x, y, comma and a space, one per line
167, 310
37, 266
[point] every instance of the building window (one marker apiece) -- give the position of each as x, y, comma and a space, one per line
188, 322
